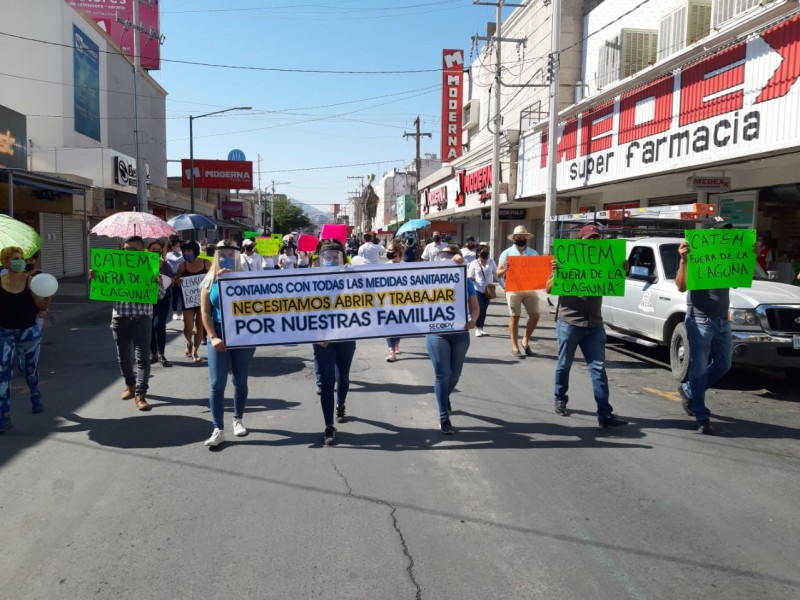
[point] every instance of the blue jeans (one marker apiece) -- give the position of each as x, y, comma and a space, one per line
333, 362
132, 337
483, 304
27, 343
592, 342
392, 342
447, 352
708, 339
237, 360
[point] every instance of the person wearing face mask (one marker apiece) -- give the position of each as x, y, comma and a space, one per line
332, 360
158, 338
482, 272
174, 258
250, 259
287, 259
19, 332
192, 321
395, 255
516, 300
468, 252
220, 358
410, 248
436, 246
132, 326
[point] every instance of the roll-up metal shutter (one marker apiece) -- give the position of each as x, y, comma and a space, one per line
74, 263
101, 241
52, 255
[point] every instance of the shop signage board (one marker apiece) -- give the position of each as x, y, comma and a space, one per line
708, 184
452, 95
218, 174
86, 92
478, 181
737, 103
504, 214
232, 208
329, 304
738, 209
108, 14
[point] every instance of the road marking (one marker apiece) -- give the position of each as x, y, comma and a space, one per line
674, 396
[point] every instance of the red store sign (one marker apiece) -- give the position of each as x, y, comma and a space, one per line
452, 96
218, 174
437, 198
474, 182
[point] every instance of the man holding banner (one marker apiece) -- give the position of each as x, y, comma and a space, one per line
516, 300
579, 320
708, 329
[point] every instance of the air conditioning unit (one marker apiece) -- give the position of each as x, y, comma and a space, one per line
472, 114
725, 10
628, 52
688, 23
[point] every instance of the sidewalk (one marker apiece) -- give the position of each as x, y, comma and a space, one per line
72, 301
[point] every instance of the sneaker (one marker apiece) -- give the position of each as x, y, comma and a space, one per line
685, 401
164, 361
329, 437
36, 404
340, 414
397, 348
177, 317
5, 423
561, 408
239, 430
216, 438
704, 427
446, 427
319, 391
611, 421
483, 332
479, 332
391, 357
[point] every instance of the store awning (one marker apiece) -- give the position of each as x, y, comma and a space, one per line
41, 181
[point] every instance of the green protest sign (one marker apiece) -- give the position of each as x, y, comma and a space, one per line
124, 276
249, 234
589, 268
269, 245
720, 258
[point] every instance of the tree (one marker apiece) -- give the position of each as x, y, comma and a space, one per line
289, 217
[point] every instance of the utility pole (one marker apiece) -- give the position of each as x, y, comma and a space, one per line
417, 160
358, 217
552, 136
272, 206
494, 223
261, 202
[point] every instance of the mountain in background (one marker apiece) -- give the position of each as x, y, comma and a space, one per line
316, 216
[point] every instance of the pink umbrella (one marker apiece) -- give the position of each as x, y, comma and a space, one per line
124, 224
307, 243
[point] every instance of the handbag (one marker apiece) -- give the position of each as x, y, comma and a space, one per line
491, 291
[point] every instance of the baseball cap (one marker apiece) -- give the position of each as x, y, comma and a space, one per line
248, 242
588, 231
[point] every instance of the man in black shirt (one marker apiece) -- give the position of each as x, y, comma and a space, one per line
579, 323
709, 333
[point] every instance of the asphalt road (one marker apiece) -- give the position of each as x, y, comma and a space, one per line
101, 501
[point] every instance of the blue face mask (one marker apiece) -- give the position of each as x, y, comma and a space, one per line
226, 262
188, 256
18, 265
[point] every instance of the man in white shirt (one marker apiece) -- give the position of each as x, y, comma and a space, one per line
468, 251
436, 246
249, 258
371, 251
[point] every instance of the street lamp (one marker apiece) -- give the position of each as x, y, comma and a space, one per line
191, 149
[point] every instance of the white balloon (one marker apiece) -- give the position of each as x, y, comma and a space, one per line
44, 285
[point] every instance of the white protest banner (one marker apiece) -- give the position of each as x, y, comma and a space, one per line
190, 285
329, 304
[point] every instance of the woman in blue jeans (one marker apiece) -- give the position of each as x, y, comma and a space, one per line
448, 350
332, 360
220, 358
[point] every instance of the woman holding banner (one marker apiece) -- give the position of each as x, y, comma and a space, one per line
448, 350
332, 360
192, 323
158, 338
220, 358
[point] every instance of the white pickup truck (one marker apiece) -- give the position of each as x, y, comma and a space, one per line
765, 318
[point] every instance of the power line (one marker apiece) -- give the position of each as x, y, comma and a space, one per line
374, 162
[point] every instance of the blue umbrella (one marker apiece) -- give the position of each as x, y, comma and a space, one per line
413, 225
191, 221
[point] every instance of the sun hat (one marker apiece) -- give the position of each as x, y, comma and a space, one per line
520, 230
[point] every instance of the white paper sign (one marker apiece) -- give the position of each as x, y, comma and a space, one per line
191, 290
329, 304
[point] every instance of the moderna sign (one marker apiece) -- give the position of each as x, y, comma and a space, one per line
452, 96
218, 174
740, 102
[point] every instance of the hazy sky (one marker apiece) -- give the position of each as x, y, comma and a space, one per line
301, 122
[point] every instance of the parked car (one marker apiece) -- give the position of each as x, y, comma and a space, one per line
765, 318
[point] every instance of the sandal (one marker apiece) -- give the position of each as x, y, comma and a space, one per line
188, 349
196, 358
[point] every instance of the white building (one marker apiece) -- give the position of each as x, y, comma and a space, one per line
68, 95
394, 185
698, 102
